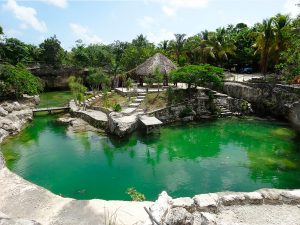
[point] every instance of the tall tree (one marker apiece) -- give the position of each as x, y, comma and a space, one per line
51, 52
265, 43
281, 24
15, 51
178, 45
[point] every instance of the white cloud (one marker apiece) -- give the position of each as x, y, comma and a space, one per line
27, 15
292, 8
85, 34
170, 7
160, 35
58, 3
146, 22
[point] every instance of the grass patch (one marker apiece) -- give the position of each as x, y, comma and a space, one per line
154, 101
111, 100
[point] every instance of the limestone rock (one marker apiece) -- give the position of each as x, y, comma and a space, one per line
208, 218
79, 125
65, 120
160, 207
17, 106
3, 112
2, 165
271, 196
207, 202
8, 125
122, 125
3, 134
233, 199
291, 197
25, 114
254, 198
179, 216
8, 107
186, 203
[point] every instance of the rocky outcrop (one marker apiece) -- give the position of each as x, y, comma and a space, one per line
14, 115
57, 78
122, 125
76, 124
266, 99
95, 118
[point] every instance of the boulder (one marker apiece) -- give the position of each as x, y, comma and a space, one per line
65, 120
17, 106
3, 112
179, 216
207, 202
271, 196
9, 107
122, 125
160, 207
8, 125
184, 202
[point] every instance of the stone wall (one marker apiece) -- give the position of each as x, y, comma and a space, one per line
203, 209
203, 107
280, 101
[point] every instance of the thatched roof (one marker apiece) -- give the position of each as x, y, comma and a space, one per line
157, 61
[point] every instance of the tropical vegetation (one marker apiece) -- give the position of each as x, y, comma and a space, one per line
271, 46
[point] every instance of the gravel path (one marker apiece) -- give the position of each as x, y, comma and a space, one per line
260, 215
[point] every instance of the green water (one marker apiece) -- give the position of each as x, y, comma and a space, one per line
54, 98
184, 160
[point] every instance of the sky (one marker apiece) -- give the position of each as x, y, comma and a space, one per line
104, 21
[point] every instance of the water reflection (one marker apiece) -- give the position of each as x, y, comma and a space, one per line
235, 155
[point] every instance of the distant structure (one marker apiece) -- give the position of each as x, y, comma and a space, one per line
148, 67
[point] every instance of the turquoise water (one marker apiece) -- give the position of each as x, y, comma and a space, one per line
184, 159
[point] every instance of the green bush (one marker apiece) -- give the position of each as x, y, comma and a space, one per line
135, 195
117, 107
17, 80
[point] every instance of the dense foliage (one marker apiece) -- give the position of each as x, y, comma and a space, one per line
17, 80
196, 75
266, 47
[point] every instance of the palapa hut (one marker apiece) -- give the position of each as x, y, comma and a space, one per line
148, 67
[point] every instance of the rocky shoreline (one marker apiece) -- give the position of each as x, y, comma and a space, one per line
15, 114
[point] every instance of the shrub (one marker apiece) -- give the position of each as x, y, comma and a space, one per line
17, 80
117, 107
135, 195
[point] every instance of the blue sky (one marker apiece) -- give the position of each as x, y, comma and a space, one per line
104, 21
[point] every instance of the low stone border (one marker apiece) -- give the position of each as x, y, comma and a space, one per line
203, 208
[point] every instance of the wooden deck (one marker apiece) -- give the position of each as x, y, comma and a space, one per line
51, 109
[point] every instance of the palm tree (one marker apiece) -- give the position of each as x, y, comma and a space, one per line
179, 43
216, 46
265, 43
164, 45
281, 22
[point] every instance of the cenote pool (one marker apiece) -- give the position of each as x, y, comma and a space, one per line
184, 160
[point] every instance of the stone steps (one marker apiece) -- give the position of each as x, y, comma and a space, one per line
128, 111
135, 105
138, 100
